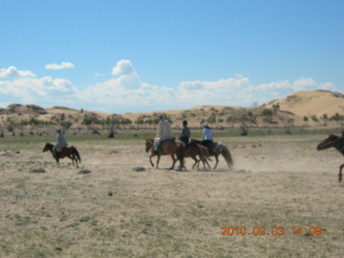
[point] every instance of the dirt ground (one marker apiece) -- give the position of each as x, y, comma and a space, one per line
278, 181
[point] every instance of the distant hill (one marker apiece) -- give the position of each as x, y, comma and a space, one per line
292, 111
306, 103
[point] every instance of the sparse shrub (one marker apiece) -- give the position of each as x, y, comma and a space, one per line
336, 117
220, 120
267, 112
211, 120
126, 121
305, 118
95, 132
139, 121
315, 119
66, 124
230, 119
276, 107
89, 121
10, 127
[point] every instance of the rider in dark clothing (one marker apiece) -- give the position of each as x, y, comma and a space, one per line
185, 135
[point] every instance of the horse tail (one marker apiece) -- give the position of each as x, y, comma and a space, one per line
75, 151
180, 154
227, 155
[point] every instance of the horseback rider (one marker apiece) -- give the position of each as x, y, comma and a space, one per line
207, 136
163, 133
60, 143
184, 136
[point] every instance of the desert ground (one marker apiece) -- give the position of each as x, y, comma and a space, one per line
278, 181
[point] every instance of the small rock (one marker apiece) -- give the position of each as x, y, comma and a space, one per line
138, 169
86, 171
17, 152
39, 170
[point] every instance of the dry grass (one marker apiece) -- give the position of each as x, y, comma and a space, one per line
116, 212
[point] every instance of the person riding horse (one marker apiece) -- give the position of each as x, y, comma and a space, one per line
60, 143
185, 135
207, 137
163, 133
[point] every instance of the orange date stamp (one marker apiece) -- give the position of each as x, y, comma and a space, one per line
274, 231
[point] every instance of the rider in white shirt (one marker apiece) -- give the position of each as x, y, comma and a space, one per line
207, 136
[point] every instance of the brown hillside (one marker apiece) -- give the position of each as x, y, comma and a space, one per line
308, 103
292, 111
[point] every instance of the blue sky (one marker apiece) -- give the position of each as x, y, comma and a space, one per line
140, 56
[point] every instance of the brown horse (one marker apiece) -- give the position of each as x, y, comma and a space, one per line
193, 149
168, 147
337, 143
217, 149
70, 152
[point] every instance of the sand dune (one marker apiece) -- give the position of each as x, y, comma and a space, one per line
305, 103
292, 111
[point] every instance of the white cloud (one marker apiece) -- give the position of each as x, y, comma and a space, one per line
98, 74
238, 75
37, 90
12, 72
123, 67
300, 84
128, 92
63, 65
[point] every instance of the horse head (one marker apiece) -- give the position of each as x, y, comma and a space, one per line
327, 142
48, 146
149, 144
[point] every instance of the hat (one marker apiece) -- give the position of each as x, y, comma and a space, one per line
205, 124
58, 130
160, 116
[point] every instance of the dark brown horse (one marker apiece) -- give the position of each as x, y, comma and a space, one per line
215, 150
168, 147
337, 143
193, 149
70, 152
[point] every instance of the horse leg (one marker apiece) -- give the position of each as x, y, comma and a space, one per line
205, 161
174, 161
72, 158
196, 161
157, 162
340, 173
217, 161
150, 159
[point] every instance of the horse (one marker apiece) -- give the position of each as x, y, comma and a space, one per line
335, 142
217, 149
193, 149
168, 147
70, 152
